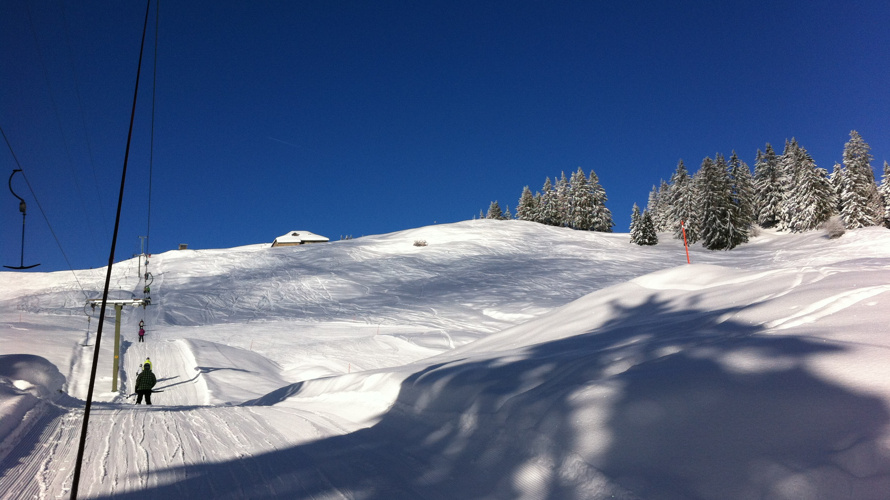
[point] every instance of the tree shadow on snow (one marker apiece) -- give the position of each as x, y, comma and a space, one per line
646, 406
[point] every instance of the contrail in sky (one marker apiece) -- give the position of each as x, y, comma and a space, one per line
285, 142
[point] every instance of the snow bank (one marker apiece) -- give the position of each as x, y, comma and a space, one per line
26, 381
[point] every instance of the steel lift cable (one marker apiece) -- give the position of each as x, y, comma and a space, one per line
151, 149
86, 415
40, 207
83, 122
55, 107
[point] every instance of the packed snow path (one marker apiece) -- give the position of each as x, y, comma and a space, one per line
134, 447
175, 369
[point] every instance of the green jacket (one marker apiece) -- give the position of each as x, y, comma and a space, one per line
145, 381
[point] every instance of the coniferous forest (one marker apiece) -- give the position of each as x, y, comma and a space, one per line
724, 203
578, 202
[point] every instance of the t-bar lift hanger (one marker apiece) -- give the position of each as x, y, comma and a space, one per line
22, 207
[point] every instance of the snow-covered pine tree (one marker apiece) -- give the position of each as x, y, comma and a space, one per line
826, 200
683, 204
549, 205
538, 214
739, 225
494, 211
635, 224
661, 216
837, 179
767, 188
812, 197
861, 204
507, 214
648, 235
885, 193
789, 164
743, 193
563, 202
652, 202
602, 216
658, 205
526, 208
718, 231
582, 201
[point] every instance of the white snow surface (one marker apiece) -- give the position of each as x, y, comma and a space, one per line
505, 359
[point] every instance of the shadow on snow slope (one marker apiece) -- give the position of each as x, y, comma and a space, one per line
630, 410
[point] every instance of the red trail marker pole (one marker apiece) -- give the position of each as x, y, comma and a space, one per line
683, 226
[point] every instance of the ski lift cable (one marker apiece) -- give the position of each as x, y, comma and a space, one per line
148, 278
87, 407
40, 207
55, 108
151, 148
80, 108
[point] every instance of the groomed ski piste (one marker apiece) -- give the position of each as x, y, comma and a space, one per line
504, 359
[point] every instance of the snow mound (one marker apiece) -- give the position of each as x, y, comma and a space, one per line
30, 374
25, 382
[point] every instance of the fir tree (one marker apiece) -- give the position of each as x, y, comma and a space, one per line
652, 202
549, 209
683, 204
648, 235
526, 208
836, 179
635, 224
789, 165
658, 205
538, 214
825, 201
602, 216
507, 214
885, 193
738, 224
812, 199
582, 201
563, 202
494, 211
718, 225
860, 201
767, 188
661, 215
742, 193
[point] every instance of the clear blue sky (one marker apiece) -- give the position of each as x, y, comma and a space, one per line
357, 118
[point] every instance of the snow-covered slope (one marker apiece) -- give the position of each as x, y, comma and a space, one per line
505, 359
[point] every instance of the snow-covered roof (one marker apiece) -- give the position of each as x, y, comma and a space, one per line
298, 238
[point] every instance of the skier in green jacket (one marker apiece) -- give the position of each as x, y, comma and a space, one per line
144, 383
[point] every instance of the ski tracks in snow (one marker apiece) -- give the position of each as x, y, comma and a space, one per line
168, 446
38, 465
171, 444
137, 448
828, 306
